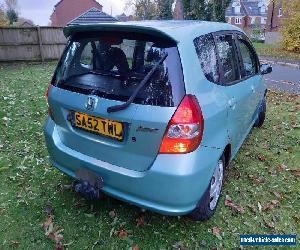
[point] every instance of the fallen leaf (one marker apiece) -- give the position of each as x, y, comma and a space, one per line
281, 168
269, 224
272, 172
122, 234
179, 245
63, 188
53, 232
47, 223
59, 246
135, 247
112, 214
270, 205
234, 207
252, 208
14, 243
215, 230
261, 157
140, 221
255, 179
56, 235
49, 210
295, 172
296, 219
277, 194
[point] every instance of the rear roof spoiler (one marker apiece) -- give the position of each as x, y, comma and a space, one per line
70, 30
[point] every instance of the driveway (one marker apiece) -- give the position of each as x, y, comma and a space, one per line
284, 78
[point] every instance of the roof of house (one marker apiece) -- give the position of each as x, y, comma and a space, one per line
173, 29
93, 16
248, 8
59, 2
122, 17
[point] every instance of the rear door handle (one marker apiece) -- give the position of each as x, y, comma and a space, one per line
253, 89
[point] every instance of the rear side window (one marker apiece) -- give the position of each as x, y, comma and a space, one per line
228, 61
112, 64
205, 48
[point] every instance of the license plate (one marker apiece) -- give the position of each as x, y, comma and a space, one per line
100, 126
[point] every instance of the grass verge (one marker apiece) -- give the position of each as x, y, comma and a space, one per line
265, 170
276, 52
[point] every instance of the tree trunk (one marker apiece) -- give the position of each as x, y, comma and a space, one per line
178, 10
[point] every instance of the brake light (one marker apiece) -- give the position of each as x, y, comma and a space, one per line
185, 129
46, 96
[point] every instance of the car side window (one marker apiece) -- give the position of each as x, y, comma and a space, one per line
248, 57
205, 48
87, 55
226, 51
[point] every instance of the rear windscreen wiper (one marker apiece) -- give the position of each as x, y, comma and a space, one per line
138, 89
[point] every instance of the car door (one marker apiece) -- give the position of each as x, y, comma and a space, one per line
250, 73
238, 91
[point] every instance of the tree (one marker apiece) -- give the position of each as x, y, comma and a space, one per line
143, 9
11, 4
164, 9
209, 10
3, 20
219, 8
291, 28
12, 16
11, 11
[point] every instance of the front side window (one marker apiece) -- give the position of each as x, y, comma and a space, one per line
205, 48
227, 55
111, 65
249, 61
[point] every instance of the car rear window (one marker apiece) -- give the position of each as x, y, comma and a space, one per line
112, 64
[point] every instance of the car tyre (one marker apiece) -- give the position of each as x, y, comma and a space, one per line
262, 114
209, 201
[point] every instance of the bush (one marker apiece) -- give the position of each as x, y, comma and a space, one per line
291, 27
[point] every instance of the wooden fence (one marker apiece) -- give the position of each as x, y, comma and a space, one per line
31, 44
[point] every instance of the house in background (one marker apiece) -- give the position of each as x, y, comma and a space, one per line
275, 16
124, 18
248, 14
67, 10
92, 16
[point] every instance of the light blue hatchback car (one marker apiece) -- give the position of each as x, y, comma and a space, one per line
152, 112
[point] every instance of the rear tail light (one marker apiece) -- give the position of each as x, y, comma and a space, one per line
185, 129
46, 96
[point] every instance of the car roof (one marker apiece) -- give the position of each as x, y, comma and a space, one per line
173, 29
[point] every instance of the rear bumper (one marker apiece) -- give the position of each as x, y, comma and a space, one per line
173, 185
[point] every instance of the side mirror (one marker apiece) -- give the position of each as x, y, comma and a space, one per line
266, 69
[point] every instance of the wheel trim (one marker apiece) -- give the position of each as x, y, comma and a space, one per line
216, 185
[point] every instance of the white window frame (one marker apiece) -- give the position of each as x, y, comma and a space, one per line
263, 20
238, 20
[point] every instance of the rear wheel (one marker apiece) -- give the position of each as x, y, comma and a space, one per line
262, 114
209, 201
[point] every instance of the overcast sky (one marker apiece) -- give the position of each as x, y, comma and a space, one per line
39, 11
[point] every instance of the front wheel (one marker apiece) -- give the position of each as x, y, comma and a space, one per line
209, 201
262, 114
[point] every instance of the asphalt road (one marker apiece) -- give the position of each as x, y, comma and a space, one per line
284, 78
